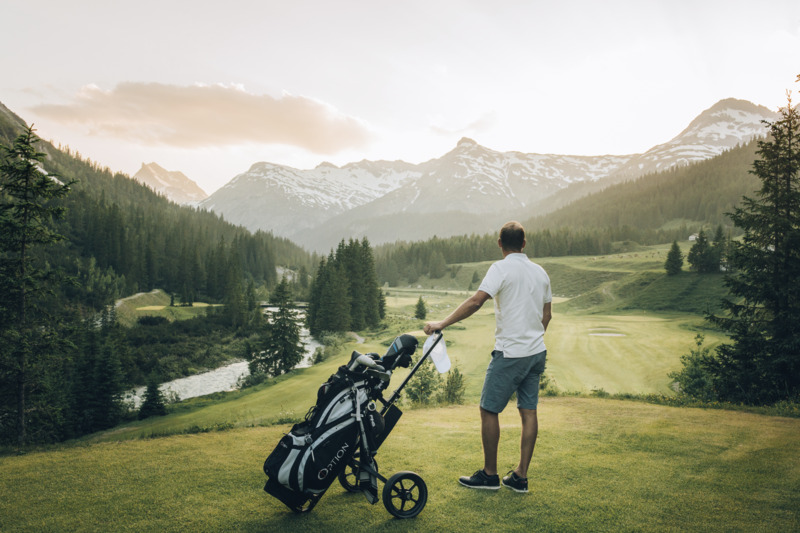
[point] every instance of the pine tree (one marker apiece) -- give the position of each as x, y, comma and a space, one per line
701, 255
762, 363
349, 256
107, 392
719, 247
345, 293
314, 293
281, 348
153, 403
453, 389
235, 300
674, 262
438, 266
420, 311
26, 210
334, 301
426, 384
373, 311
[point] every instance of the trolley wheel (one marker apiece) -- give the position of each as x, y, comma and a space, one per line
405, 495
348, 478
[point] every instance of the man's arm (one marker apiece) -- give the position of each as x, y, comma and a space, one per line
465, 310
546, 315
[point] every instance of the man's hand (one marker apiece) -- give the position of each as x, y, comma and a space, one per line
431, 327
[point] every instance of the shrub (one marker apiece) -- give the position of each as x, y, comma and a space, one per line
694, 380
452, 392
151, 320
153, 403
423, 388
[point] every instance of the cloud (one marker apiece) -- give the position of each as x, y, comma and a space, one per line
208, 115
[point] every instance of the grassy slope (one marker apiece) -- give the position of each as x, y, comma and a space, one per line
600, 465
647, 347
154, 303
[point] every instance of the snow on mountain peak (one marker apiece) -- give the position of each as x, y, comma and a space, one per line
172, 184
466, 141
470, 179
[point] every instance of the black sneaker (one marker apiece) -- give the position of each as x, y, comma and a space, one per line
481, 480
515, 483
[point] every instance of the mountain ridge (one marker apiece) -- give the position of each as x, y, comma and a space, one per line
468, 189
173, 184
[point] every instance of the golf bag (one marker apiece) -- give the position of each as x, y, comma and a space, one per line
343, 424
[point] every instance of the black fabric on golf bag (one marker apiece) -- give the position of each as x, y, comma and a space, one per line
308, 458
400, 352
313, 454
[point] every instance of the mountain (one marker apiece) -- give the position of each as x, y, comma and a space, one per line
470, 189
10, 125
286, 201
723, 126
122, 237
726, 124
172, 184
694, 196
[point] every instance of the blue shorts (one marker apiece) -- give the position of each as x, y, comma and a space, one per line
507, 375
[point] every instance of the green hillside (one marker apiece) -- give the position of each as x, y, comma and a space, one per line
600, 465
610, 346
694, 195
123, 238
654, 209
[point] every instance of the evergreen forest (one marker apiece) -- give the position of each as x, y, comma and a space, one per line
75, 239
655, 209
94, 236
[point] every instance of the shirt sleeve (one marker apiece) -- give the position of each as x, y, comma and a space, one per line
492, 281
548, 293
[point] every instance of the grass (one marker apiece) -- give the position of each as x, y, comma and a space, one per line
155, 303
646, 345
600, 465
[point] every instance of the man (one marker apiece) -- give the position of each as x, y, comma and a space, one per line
522, 300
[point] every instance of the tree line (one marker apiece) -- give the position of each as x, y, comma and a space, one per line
761, 363
121, 237
345, 294
700, 194
643, 211
435, 257
704, 257
69, 246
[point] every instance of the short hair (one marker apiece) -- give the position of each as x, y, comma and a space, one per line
512, 236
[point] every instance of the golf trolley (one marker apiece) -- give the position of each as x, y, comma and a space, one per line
341, 434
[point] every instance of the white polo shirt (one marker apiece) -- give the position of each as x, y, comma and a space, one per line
519, 288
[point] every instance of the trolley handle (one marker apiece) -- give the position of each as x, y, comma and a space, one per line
413, 371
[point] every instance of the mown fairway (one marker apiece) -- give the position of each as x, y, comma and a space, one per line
600, 465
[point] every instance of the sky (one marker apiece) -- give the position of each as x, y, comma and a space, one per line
210, 88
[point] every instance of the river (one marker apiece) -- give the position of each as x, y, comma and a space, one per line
224, 378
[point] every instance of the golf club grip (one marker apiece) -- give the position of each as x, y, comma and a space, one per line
413, 371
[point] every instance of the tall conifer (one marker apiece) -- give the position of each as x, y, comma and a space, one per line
762, 363
26, 210
674, 262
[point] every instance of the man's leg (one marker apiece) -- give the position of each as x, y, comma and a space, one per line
490, 436
530, 430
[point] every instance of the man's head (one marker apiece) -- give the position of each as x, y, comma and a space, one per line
512, 237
